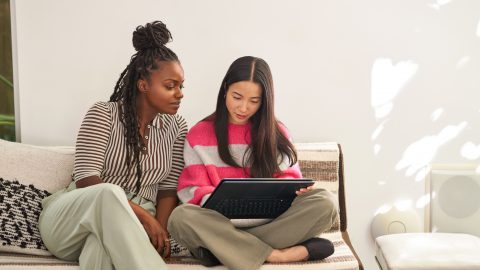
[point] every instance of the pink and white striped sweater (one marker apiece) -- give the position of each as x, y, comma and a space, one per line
204, 169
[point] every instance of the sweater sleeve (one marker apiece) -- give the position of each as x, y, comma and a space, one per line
92, 142
194, 184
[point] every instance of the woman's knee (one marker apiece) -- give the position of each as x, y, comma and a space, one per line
107, 190
329, 206
322, 202
106, 197
182, 217
182, 212
110, 188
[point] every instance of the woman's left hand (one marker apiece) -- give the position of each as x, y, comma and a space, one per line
156, 232
158, 236
304, 190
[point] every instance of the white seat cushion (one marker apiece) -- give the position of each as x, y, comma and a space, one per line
425, 251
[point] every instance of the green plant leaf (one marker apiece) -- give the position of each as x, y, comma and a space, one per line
7, 120
6, 81
7, 117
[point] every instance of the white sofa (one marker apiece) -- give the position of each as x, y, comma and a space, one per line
49, 168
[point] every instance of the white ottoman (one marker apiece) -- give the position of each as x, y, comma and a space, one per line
428, 251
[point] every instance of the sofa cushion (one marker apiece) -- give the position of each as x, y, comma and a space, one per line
428, 251
14, 261
29, 174
20, 207
342, 259
47, 168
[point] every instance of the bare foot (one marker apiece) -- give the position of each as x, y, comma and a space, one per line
291, 254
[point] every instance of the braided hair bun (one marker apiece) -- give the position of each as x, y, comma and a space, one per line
152, 35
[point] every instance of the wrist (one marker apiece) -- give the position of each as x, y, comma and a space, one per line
163, 223
144, 216
141, 213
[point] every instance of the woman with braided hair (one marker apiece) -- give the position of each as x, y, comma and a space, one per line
128, 156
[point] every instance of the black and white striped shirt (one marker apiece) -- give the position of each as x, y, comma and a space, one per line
100, 151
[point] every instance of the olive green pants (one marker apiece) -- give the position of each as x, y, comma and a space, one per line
247, 248
96, 226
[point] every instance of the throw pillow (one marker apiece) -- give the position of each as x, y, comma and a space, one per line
177, 250
20, 207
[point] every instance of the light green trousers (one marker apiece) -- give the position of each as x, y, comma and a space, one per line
96, 226
247, 248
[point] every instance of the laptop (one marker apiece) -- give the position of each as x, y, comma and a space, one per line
254, 198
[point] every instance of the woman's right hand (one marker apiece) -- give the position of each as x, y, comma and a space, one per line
304, 190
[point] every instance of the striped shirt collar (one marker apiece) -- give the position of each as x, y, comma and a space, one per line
157, 122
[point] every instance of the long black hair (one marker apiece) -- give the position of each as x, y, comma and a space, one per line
268, 142
149, 42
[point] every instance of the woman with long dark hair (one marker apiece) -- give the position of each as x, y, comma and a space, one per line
243, 139
128, 157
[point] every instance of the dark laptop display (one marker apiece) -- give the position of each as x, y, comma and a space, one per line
254, 198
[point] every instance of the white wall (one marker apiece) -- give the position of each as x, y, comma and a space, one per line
395, 82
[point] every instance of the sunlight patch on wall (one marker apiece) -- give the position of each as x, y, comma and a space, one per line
436, 114
421, 174
400, 205
464, 60
403, 205
438, 4
420, 153
383, 209
376, 149
470, 151
378, 130
387, 82
423, 201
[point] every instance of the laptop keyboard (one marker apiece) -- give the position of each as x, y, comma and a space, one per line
252, 208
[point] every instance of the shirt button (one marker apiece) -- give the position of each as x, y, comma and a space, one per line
146, 137
144, 148
148, 126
